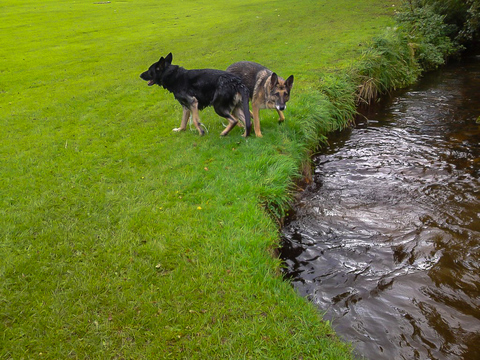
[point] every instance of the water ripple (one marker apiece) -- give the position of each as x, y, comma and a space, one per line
386, 240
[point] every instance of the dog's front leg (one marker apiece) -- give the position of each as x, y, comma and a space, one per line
196, 116
185, 117
281, 117
256, 119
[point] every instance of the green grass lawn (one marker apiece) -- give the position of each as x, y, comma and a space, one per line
120, 239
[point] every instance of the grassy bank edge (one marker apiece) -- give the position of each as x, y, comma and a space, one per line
393, 60
388, 64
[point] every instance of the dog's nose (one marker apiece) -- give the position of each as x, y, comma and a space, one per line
281, 107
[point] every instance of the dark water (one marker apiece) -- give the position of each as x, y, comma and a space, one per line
386, 240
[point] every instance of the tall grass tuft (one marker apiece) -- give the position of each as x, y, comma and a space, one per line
340, 91
388, 64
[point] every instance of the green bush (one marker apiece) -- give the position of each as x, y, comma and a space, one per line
429, 35
462, 15
471, 26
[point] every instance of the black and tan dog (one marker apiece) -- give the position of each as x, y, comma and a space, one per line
197, 89
267, 89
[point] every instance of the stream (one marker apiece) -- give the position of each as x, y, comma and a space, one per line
386, 239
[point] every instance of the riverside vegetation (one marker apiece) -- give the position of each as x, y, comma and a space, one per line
120, 239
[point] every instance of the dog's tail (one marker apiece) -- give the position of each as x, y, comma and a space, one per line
246, 110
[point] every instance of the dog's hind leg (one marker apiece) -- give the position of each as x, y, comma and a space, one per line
232, 122
185, 117
223, 107
238, 114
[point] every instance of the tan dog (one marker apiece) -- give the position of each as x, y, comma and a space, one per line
267, 89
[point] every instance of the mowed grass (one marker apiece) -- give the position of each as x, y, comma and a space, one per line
120, 239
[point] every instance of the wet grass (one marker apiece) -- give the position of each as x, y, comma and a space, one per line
121, 239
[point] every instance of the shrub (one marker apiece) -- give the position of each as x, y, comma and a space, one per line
428, 34
471, 27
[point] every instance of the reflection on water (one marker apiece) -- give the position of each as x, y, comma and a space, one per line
386, 240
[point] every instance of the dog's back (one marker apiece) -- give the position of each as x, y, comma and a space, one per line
251, 74
202, 84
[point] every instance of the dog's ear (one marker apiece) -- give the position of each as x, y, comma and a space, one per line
273, 80
160, 64
168, 59
289, 82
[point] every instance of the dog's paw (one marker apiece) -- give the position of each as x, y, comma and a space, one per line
177, 129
